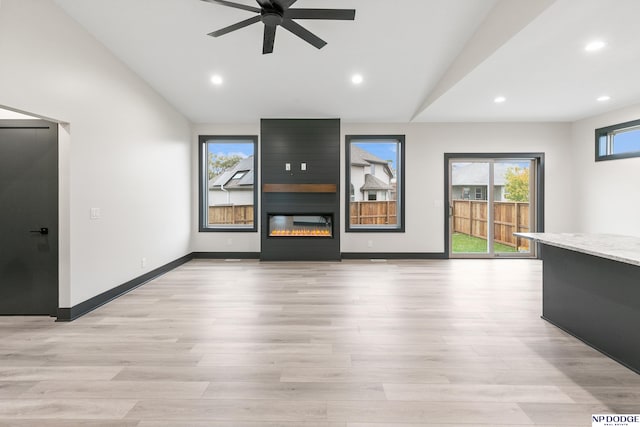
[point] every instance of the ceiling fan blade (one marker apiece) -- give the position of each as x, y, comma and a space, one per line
285, 4
234, 5
336, 14
265, 4
269, 39
236, 26
303, 33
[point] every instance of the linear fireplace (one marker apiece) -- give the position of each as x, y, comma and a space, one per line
315, 226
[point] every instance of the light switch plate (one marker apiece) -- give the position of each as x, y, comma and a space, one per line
94, 213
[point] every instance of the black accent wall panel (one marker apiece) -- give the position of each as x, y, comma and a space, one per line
315, 142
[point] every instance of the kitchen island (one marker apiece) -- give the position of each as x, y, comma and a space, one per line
591, 289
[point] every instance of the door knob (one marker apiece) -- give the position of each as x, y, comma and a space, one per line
43, 230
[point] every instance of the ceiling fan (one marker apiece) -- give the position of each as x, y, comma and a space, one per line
278, 12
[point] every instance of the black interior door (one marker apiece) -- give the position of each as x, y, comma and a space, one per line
28, 217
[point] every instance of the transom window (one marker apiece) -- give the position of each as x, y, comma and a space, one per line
618, 141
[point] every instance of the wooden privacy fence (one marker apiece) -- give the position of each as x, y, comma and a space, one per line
470, 217
374, 212
368, 212
231, 214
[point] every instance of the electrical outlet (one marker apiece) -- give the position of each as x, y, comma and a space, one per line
287, 166
303, 166
143, 262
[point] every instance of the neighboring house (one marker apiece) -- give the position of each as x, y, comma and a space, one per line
470, 181
234, 186
371, 177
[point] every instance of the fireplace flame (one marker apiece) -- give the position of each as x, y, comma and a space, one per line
316, 232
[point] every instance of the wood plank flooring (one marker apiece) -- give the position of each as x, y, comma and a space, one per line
350, 344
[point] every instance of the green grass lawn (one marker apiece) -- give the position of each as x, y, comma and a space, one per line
463, 243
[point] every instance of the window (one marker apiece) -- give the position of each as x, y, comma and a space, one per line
228, 191
479, 193
239, 174
375, 183
618, 141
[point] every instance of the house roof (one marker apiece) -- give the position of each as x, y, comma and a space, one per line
227, 180
371, 183
361, 157
478, 173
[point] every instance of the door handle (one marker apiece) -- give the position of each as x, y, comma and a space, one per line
43, 230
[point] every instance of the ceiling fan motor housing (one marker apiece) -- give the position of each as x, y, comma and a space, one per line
271, 18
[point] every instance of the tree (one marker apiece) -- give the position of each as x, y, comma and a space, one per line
218, 163
517, 184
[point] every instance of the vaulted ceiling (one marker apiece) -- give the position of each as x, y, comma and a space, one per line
421, 60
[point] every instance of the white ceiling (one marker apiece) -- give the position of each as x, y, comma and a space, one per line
422, 60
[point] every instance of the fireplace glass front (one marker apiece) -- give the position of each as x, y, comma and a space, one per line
300, 225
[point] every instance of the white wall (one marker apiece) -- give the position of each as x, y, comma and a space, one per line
222, 241
125, 149
242, 196
607, 196
13, 115
426, 144
357, 178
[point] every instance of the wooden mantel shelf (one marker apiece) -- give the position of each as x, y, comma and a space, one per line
299, 188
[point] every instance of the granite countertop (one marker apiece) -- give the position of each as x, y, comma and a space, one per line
615, 247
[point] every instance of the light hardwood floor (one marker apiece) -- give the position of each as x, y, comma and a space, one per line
351, 344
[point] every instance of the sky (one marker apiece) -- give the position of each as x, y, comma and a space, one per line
627, 142
231, 148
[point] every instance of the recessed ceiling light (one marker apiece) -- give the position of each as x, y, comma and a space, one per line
357, 79
216, 80
499, 99
594, 46
604, 98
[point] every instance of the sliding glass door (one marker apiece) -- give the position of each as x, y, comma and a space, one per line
489, 200
469, 194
